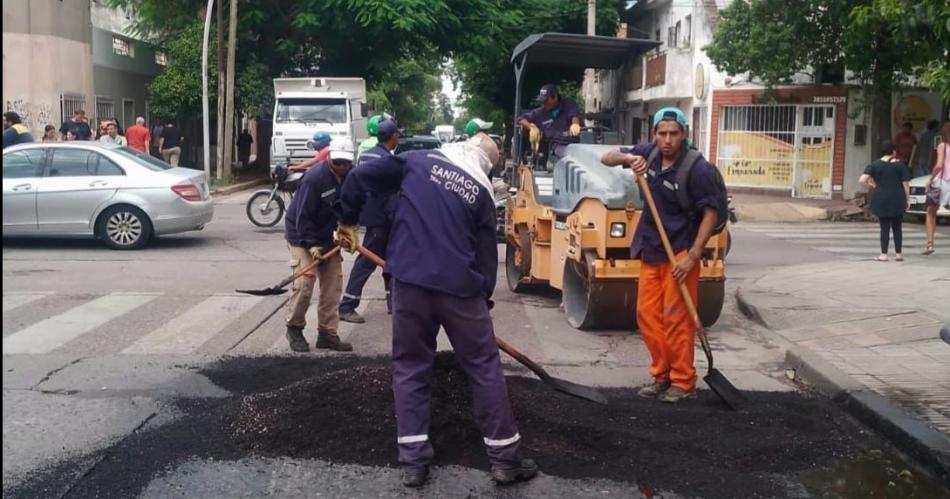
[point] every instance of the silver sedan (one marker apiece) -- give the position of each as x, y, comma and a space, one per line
119, 195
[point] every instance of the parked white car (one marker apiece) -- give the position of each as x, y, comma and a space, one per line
917, 199
89, 189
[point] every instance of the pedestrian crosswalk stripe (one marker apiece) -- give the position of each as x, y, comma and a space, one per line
813, 235
187, 332
49, 334
16, 300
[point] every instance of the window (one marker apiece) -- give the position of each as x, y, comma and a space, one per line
69, 162
689, 30
105, 167
105, 109
311, 111
23, 164
69, 103
144, 160
160, 58
121, 46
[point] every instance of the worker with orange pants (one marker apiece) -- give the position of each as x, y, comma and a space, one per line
664, 320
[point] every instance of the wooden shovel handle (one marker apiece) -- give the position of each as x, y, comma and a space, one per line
309, 267
690, 306
369, 255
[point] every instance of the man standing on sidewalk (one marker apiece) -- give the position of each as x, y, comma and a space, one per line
138, 135
169, 144
308, 227
665, 322
377, 216
443, 258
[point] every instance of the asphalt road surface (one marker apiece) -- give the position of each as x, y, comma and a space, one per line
110, 358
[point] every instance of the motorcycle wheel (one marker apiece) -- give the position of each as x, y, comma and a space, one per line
263, 213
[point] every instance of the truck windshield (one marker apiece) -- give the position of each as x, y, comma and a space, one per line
311, 111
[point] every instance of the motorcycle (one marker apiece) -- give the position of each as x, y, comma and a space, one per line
266, 207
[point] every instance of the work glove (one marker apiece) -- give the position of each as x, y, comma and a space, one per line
316, 252
575, 129
534, 134
347, 237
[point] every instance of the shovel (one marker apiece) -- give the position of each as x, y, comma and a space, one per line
721, 386
279, 288
579, 391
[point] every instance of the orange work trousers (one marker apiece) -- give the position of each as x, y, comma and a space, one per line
665, 323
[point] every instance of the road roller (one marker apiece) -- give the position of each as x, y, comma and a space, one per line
569, 221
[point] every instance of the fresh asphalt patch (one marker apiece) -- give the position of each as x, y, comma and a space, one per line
340, 410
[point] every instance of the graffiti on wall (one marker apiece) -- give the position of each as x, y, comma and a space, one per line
34, 115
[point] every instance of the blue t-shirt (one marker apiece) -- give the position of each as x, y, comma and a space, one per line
556, 123
311, 219
379, 208
680, 228
443, 234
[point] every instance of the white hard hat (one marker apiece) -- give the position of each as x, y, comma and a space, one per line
342, 148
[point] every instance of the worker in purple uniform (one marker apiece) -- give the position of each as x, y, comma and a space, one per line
377, 216
443, 259
308, 228
558, 120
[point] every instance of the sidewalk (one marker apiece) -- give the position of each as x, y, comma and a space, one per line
868, 335
766, 208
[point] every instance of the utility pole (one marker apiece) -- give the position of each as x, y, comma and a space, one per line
229, 103
204, 93
219, 156
589, 73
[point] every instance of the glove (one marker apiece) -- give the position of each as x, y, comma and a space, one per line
316, 252
347, 237
575, 129
534, 133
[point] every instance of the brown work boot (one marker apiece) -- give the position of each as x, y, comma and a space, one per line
654, 389
675, 394
332, 341
296, 339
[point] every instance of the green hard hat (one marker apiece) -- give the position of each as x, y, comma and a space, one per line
372, 125
476, 125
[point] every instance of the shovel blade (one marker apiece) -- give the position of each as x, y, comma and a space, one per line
725, 390
579, 391
262, 292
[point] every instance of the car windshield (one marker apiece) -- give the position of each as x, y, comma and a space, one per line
146, 160
311, 111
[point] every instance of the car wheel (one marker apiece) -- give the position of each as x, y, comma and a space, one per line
124, 227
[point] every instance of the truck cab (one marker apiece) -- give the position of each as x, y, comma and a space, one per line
303, 106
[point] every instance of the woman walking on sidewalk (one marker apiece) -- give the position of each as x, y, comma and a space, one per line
889, 179
938, 187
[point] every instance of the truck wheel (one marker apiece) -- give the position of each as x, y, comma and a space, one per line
597, 304
712, 294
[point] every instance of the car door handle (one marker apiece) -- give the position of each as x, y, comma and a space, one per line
98, 183
23, 187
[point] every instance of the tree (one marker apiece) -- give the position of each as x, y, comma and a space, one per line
224, 170
882, 42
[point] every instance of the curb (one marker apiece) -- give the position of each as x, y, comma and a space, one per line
748, 310
231, 189
926, 445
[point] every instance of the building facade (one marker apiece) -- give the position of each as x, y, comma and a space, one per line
809, 139
61, 56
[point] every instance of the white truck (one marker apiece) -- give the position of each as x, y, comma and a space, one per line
445, 133
303, 106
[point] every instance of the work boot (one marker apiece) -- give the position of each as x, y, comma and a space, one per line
654, 389
332, 342
525, 470
351, 316
674, 395
415, 476
296, 339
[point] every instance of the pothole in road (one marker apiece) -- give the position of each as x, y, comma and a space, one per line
340, 409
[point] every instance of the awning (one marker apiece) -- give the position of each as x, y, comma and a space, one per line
581, 51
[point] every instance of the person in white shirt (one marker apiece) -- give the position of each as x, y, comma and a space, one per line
112, 136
